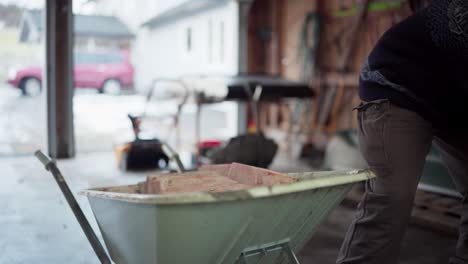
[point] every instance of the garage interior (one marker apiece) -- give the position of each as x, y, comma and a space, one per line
322, 44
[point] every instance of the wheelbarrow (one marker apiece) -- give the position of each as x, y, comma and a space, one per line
258, 225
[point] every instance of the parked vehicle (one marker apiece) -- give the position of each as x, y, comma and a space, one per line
108, 72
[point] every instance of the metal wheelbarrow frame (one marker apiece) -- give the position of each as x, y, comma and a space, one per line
257, 225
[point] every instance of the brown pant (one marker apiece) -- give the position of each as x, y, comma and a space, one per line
395, 142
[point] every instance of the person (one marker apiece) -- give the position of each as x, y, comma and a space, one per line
414, 91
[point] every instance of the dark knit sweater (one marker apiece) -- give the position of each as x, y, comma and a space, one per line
421, 64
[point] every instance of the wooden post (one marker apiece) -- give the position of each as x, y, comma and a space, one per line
331, 110
58, 19
243, 50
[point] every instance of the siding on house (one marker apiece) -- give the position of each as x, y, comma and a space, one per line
203, 43
132, 13
91, 31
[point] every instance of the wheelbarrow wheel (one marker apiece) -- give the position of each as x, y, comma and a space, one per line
163, 162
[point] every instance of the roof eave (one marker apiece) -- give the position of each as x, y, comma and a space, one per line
179, 12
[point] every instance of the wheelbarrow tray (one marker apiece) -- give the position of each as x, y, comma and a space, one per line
216, 227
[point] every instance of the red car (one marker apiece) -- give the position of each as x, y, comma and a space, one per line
108, 72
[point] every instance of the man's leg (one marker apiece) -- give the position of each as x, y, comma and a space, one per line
395, 143
454, 152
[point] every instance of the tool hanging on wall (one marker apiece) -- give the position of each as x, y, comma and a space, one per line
308, 43
375, 6
376, 10
373, 29
360, 19
253, 148
416, 5
333, 96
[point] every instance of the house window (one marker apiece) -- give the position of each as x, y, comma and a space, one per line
221, 41
210, 41
216, 41
189, 39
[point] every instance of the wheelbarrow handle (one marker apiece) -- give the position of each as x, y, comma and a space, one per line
87, 229
46, 161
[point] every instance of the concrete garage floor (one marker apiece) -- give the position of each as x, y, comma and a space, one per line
420, 245
38, 227
101, 120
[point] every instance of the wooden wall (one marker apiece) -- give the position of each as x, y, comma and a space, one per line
293, 19
280, 23
336, 25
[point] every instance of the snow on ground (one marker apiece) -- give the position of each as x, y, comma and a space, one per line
101, 121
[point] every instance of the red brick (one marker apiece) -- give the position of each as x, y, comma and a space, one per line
213, 178
257, 176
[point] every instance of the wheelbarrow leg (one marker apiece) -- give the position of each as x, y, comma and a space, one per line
241, 259
292, 257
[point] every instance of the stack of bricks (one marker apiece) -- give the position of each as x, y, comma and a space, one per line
249, 175
213, 178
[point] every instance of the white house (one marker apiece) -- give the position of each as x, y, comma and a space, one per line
194, 38
178, 37
132, 13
